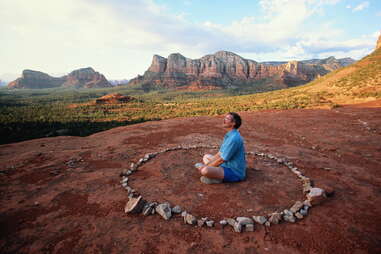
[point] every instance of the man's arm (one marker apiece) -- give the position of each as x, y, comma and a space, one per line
216, 161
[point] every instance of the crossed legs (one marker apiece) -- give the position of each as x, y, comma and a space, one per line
211, 172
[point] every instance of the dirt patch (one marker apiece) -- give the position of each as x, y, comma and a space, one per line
49, 206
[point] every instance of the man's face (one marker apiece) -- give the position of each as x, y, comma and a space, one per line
228, 121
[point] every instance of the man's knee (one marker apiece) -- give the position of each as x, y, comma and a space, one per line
205, 171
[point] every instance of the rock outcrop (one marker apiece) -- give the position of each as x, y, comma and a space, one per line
86, 78
226, 69
378, 45
36, 79
81, 78
114, 98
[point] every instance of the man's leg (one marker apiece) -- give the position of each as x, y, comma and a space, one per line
213, 172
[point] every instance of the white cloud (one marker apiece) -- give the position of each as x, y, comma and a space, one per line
118, 38
361, 6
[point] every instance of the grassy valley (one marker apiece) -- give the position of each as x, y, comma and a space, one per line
36, 113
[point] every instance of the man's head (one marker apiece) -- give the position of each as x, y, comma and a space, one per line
232, 120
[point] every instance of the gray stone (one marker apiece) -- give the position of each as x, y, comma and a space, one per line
210, 223
147, 209
296, 207
244, 220
299, 215
231, 221
267, 224
200, 223
316, 196
176, 209
249, 228
289, 218
237, 227
125, 184
303, 212
223, 222
164, 210
275, 218
184, 213
260, 219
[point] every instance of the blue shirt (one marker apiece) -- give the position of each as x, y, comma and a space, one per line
233, 153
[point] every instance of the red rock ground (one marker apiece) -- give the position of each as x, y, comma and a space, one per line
51, 206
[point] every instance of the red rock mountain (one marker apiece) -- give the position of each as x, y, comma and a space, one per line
226, 69
81, 78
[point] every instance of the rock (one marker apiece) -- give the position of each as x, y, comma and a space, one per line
237, 227
307, 203
133, 166
85, 78
316, 196
114, 98
210, 223
306, 187
275, 218
125, 173
231, 221
378, 45
249, 228
244, 220
299, 215
125, 184
289, 218
260, 219
147, 209
223, 222
176, 209
226, 69
134, 205
190, 219
296, 207
267, 224
303, 212
184, 213
124, 180
200, 223
164, 210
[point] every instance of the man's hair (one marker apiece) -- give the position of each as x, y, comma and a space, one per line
237, 119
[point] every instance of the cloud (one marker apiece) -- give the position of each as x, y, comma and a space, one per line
361, 6
119, 37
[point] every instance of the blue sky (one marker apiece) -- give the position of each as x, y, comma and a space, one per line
119, 37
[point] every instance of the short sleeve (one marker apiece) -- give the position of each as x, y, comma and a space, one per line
229, 149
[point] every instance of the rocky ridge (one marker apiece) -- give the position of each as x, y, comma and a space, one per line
81, 78
225, 69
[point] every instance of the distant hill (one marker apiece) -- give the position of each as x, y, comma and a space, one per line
81, 78
118, 82
228, 70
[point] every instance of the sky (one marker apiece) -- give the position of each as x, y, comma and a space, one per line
119, 37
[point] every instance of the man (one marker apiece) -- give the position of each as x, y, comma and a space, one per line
229, 164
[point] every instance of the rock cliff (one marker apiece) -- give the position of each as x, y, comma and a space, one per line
81, 78
378, 45
226, 69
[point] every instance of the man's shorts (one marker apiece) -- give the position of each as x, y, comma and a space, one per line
230, 176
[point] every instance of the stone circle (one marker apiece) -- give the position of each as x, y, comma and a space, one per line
298, 211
